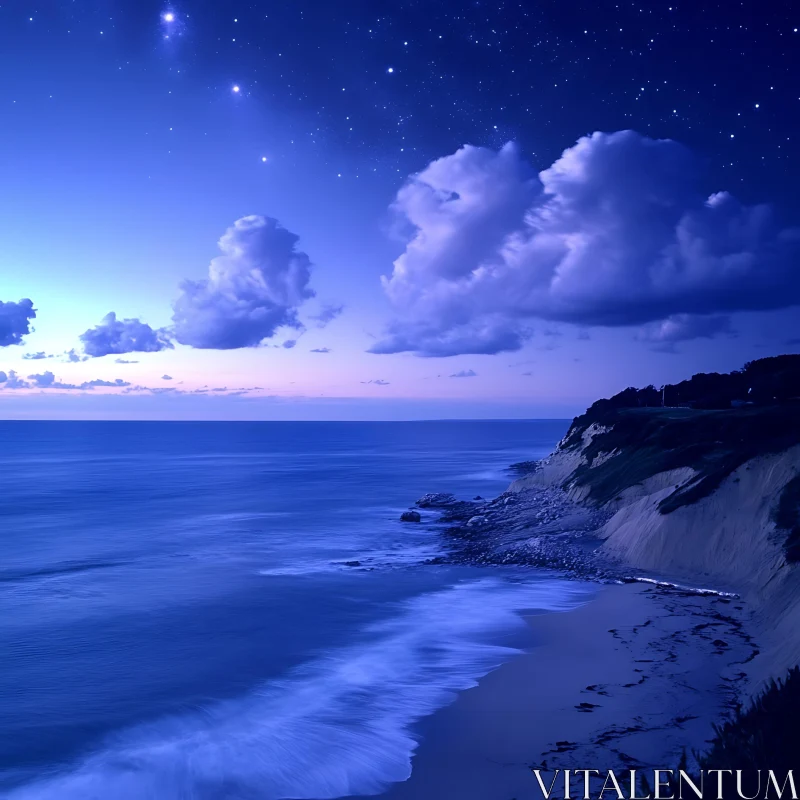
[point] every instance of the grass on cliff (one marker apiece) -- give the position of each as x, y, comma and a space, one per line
763, 737
713, 443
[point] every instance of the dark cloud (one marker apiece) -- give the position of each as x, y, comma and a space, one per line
617, 232
36, 356
321, 350
465, 373
166, 377
378, 382
289, 344
15, 321
253, 288
116, 336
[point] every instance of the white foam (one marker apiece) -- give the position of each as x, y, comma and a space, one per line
340, 725
681, 587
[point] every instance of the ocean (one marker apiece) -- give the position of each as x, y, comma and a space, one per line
177, 619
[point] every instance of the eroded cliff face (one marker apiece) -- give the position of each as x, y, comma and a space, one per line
713, 523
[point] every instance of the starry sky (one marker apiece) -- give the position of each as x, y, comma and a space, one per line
393, 210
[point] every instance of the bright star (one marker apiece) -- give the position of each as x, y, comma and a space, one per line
264, 159
391, 69
169, 17
236, 89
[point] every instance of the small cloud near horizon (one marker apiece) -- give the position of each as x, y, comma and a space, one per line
48, 380
465, 373
117, 336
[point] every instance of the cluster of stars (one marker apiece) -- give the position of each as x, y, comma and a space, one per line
542, 74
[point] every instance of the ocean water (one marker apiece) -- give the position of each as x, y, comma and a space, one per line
176, 620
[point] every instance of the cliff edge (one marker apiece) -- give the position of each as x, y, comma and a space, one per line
702, 495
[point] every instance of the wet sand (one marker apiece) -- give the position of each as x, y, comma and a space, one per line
629, 680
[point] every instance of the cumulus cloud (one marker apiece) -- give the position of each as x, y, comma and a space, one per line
465, 373
15, 321
617, 232
252, 289
115, 336
321, 350
3, 377
665, 334
13, 381
35, 356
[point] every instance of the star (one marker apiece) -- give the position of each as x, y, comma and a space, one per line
236, 89
263, 159
169, 17
391, 69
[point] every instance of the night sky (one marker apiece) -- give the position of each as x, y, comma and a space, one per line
320, 144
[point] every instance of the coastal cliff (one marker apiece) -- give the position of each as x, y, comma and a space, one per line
699, 495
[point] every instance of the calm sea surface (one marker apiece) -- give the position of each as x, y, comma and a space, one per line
176, 620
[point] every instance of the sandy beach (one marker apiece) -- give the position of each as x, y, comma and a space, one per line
629, 680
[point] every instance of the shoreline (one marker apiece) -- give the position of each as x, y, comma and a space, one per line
636, 678
629, 680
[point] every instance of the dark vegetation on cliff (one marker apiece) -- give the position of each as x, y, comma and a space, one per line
766, 381
648, 438
762, 737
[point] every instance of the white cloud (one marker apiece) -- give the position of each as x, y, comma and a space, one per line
252, 289
615, 233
